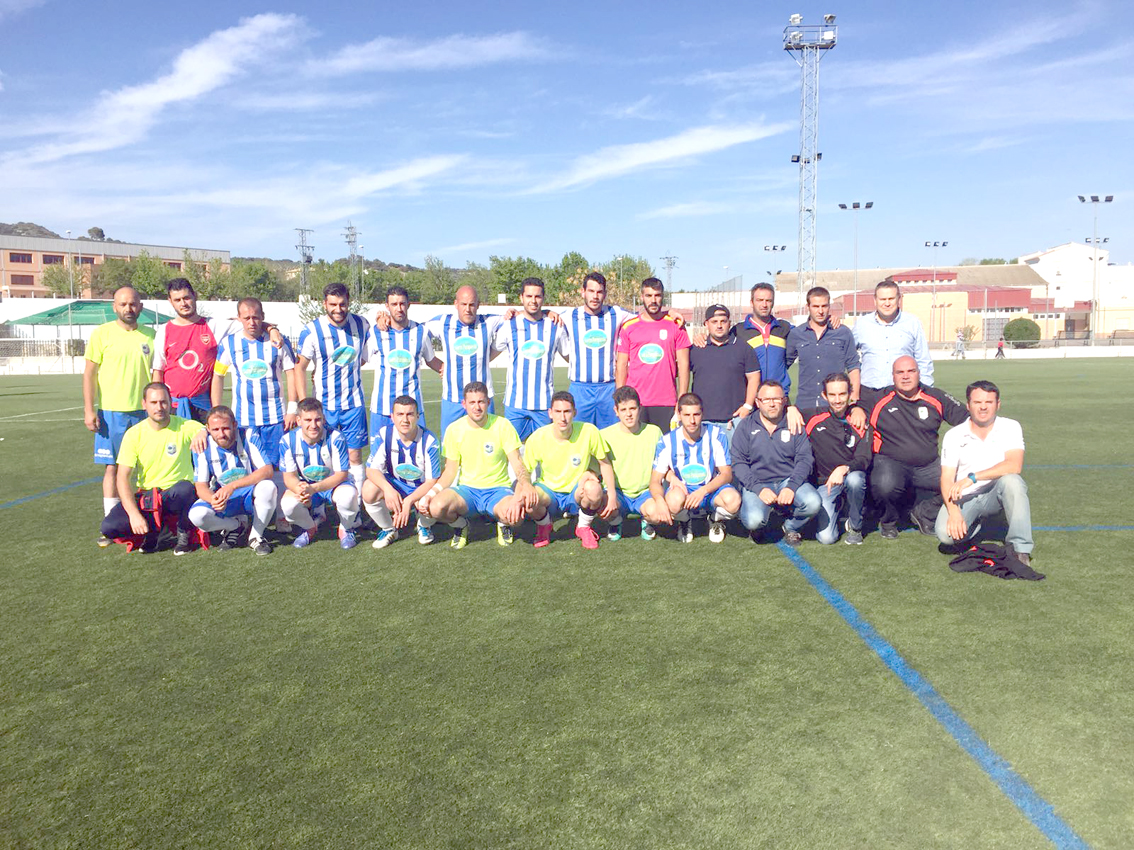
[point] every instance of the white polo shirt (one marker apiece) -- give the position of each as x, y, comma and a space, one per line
969, 453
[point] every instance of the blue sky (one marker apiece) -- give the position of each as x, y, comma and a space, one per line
469, 129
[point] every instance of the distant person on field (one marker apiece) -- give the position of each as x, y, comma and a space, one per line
118, 361
887, 334
981, 462
959, 348
1000, 349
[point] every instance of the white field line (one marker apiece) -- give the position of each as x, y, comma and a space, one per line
40, 413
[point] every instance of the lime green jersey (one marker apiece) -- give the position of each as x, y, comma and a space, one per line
160, 457
632, 456
562, 463
124, 359
481, 452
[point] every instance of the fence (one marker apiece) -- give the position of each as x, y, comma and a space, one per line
40, 357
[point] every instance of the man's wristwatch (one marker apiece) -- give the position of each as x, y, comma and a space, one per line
972, 477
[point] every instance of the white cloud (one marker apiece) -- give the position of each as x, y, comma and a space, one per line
640, 108
618, 160
689, 209
455, 51
125, 116
411, 173
471, 246
9, 8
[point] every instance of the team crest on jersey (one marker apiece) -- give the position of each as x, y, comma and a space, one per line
407, 471
466, 346
651, 354
923, 413
170, 449
206, 339
489, 448
851, 440
785, 436
315, 472
145, 349
234, 474
663, 334
533, 349
255, 370
595, 338
343, 355
576, 460
399, 359
694, 473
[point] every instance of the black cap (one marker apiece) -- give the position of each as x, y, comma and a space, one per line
715, 310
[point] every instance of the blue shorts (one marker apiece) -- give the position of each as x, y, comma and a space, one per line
352, 424
270, 436
482, 502
706, 505
594, 403
402, 487
239, 503
378, 421
526, 421
632, 504
112, 424
451, 411
562, 504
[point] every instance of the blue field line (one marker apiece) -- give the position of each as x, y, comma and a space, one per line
1015, 788
1083, 528
1080, 465
20, 501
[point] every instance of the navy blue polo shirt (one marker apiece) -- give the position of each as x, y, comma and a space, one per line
760, 457
720, 376
819, 357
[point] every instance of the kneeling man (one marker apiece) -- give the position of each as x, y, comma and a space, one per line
773, 465
234, 482
694, 461
631, 445
562, 455
404, 464
481, 447
981, 462
316, 469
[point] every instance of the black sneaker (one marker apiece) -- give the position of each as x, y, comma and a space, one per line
261, 546
888, 530
184, 543
229, 539
149, 543
793, 538
853, 536
922, 524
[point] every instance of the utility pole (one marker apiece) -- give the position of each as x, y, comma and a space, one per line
670, 262
305, 253
351, 236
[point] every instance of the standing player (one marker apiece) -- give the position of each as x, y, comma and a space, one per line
117, 367
396, 349
696, 455
314, 463
336, 344
631, 445
234, 482
561, 455
532, 340
404, 465
593, 330
653, 354
481, 447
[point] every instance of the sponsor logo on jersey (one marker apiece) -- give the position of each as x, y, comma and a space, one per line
923, 413
694, 473
595, 338
255, 370
408, 471
234, 474
651, 354
466, 346
533, 349
399, 359
316, 472
189, 360
343, 355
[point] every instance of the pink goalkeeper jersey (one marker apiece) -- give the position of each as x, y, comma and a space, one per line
651, 349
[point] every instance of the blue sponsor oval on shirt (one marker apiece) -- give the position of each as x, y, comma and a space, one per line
408, 472
466, 346
694, 473
533, 349
316, 472
234, 474
343, 355
651, 354
255, 369
399, 359
595, 338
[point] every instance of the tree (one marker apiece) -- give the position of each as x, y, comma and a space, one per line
251, 280
507, 275
1022, 333
437, 283
149, 275
97, 234
57, 279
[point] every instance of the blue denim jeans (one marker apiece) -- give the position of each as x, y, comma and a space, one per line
854, 489
1007, 496
755, 514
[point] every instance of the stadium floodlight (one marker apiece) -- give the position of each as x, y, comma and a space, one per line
854, 207
1095, 201
828, 19
795, 20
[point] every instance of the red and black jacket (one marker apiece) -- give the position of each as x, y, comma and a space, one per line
835, 442
906, 429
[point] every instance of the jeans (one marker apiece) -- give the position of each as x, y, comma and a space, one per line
1009, 496
854, 487
728, 428
891, 482
755, 514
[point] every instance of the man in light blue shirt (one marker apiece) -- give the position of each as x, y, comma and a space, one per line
887, 335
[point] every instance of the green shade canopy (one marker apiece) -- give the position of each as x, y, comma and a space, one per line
87, 313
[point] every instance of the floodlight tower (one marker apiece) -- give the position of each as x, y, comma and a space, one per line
1095, 200
670, 262
807, 44
305, 253
351, 237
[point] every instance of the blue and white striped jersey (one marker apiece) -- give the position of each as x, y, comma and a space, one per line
257, 368
314, 462
531, 366
337, 355
593, 340
217, 466
694, 463
467, 352
397, 357
410, 463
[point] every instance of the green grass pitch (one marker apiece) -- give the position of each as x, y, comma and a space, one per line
651, 695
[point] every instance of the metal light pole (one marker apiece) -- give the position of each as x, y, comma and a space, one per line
855, 207
71, 270
775, 249
934, 246
1095, 200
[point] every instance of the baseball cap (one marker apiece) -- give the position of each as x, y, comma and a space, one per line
716, 309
